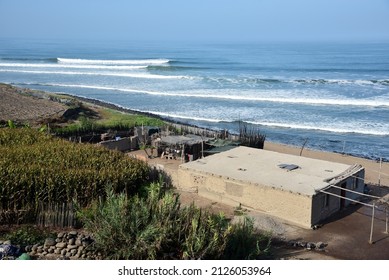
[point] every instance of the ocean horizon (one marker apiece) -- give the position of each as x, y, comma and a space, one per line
333, 96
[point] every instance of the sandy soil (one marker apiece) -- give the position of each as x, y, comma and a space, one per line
16, 105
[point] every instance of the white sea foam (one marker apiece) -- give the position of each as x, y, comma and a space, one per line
307, 101
113, 62
378, 129
175, 116
103, 88
383, 132
77, 66
280, 125
117, 74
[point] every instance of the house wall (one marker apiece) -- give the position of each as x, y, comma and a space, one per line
289, 206
321, 211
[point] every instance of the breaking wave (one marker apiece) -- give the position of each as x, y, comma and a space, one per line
175, 116
113, 62
253, 80
323, 128
291, 100
78, 66
274, 124
118, 74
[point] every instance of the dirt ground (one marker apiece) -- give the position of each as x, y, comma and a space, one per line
346, 234
18, 107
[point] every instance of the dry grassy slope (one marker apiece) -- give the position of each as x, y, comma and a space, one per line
19, 105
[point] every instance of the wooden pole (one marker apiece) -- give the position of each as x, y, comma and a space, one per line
372, 225
302, 147
386, 220
379, 173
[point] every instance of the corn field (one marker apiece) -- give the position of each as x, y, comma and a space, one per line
36, 168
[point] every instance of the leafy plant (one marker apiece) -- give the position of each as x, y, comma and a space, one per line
246, 242
11, 124
155, 226
28, 235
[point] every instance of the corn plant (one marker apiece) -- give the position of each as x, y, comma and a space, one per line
37, 168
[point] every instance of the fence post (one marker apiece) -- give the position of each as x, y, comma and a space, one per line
372, 225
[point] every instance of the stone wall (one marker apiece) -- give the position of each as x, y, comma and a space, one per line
66, 245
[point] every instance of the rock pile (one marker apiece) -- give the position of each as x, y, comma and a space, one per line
71, 245
309, 245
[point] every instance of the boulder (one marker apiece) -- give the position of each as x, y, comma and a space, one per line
71, 247
49, 242
73, 233
61, 245
320, 245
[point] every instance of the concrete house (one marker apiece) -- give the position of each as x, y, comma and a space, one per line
300, 190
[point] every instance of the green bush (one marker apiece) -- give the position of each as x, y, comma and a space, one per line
246, 242
156, 227
28, 235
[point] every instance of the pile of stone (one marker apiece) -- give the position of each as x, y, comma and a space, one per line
320, 246
71, 245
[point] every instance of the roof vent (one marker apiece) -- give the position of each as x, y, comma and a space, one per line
288, 166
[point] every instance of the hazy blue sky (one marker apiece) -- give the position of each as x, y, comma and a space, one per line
201, 20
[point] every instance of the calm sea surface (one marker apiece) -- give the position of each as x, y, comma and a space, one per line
334, 95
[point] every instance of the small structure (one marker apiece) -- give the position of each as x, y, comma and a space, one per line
301, 190
189, 147
121, 144
144, 133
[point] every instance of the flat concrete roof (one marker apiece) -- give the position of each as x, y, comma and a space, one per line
262, 167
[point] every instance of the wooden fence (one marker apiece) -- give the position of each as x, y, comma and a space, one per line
56, 215
60, 215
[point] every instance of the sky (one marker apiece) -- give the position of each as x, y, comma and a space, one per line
197, 20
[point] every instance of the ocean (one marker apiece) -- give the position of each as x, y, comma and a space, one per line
333, 96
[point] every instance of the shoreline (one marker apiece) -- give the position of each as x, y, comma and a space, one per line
372, 167
375, 172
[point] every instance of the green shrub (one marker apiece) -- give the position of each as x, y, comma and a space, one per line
28, 235
156, 227
246, 242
